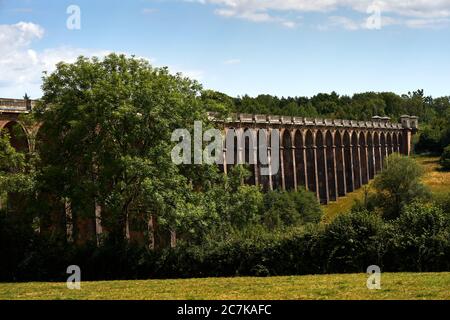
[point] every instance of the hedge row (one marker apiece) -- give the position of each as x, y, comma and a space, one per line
419, 240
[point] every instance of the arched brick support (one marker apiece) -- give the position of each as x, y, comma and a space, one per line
383, 148
356, 161
300, 158
395, 142
249, 154
370, 155
322, 172
19, 135
389, 145
276, 176
363, 158
340, 165
262, 141
348, 160
331, 166
288, 161
311, 161
377, 149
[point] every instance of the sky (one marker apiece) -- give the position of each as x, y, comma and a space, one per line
279, 47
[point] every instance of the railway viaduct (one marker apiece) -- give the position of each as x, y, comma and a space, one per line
326, 156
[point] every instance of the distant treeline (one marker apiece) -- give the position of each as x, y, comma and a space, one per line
433, 113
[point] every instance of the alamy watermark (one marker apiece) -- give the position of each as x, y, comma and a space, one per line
374, 279
255, 147
73, 22
373, 22
74, 280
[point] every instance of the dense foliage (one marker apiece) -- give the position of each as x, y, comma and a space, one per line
445, 158
418, 240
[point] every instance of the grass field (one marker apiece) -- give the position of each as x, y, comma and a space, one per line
438, 181
342, 286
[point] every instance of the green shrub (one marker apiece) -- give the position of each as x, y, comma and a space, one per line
399, 184
291, 208
420, 239
442, 200
353, 242
246, 206
445, 158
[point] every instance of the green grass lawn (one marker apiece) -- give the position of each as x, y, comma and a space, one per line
342, 286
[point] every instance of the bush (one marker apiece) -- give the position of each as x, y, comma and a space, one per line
442, 200
445, 158
420, 239
399, 184
291, 208
353, 242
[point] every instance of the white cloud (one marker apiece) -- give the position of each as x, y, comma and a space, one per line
232, 61
22, 66
149, 10
255, 16
412, 13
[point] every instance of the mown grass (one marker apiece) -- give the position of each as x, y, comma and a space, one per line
343, 286
437, 180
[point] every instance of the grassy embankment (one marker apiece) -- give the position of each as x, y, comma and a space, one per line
438, 181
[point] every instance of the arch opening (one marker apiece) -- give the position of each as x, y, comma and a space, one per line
310, 161
340, 166
288, 161
348, 159
331, 168
321, 168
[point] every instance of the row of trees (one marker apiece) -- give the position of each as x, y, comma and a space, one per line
361, 106
434, 113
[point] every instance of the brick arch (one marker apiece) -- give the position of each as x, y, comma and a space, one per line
300, 158
401, 145
395, 142
248, 156
232, 154
276, 176
340, 164
363, 159
331, 165
370, 155
19, 135
322, 179
263, 141
288, 160
348, 160
389, 145
356, 160
383, 147
377, 151
311, 161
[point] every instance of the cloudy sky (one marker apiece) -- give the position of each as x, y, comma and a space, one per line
282, 47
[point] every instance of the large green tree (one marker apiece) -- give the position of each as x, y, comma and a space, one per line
106, 140
399, 184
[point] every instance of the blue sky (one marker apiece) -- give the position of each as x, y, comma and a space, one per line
281, 47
